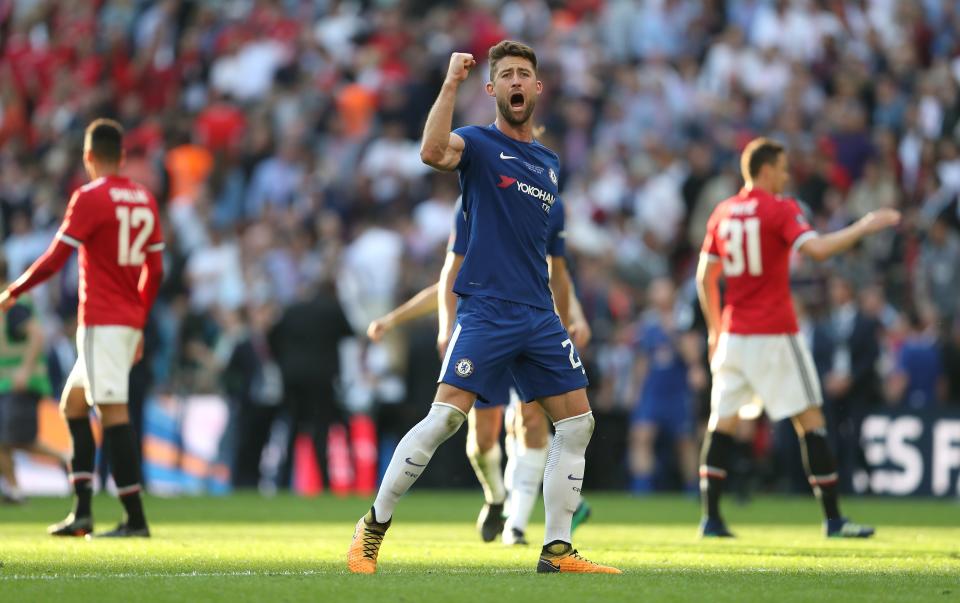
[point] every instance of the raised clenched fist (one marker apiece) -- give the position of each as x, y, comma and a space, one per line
460, 65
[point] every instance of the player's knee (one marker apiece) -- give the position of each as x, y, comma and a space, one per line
810, 420
73, 404
443, 421
536, 439
114, 414
724, 425
485, 441
576, 430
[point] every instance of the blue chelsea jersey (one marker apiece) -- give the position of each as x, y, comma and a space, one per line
509, 195
556, 237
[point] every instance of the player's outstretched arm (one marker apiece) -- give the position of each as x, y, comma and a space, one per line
447, 300
826, 246
419, 305
441, 148
708, 291
46, 266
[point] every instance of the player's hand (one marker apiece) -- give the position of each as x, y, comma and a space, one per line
377, 329
460, 65
837, 385
697, 378
880, 219
6, 301
711, 345
138, 355
580, 333
20, 379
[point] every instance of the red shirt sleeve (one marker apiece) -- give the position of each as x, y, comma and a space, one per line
793, 224
46, 266
155, 241
79, 221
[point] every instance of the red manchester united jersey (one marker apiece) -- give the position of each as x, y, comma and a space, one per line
114, 223
753, 234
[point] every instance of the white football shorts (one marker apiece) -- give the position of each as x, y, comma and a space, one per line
105, 356
774, 371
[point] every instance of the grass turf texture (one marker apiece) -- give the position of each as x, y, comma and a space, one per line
245, 548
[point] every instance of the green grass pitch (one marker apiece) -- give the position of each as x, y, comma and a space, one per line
246, 548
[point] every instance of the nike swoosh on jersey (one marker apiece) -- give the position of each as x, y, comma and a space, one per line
409, 462
576, 479
502, 156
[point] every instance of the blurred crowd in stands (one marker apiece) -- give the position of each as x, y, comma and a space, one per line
281, 139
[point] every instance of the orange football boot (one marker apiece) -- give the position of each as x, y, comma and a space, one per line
561, 557
367, 538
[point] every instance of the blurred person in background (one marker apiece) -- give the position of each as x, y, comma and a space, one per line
23, 382
917, 382
852, 385
254, 383
667, 370
305, 343
938, 277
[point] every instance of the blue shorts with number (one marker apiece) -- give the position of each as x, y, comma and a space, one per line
495, 340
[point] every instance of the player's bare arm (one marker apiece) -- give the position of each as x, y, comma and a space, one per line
560, 286
826, 246
48, 264
441, 148
447, 300
691, 349
579, 328
421, 304
6, 300
708, 291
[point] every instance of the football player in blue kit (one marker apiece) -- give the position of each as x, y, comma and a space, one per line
515, 491
668, 363
506, 323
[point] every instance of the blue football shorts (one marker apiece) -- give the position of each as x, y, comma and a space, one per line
496, 341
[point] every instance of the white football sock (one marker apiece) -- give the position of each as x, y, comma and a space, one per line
563, 477
413, 453
489, 470
530, 463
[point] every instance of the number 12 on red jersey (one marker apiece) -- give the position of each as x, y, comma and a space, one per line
131, 218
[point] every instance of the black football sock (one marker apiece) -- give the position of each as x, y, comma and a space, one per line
125, 464
821, 470
714, 465
81, 465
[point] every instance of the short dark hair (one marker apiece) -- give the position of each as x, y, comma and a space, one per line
105, 140
758, 153
509, 48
